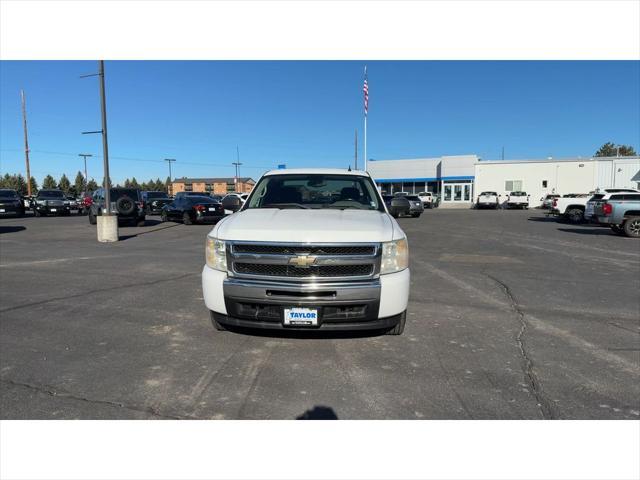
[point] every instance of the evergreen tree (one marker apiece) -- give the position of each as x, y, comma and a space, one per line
611, 150
127, 183
158, 185
134, 183
79, 183
92, 186
34, 186
49, 182
64, 184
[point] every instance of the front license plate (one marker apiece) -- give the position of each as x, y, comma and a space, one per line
53, 210
301, 317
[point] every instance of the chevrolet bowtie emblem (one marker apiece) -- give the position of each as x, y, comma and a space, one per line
302, 261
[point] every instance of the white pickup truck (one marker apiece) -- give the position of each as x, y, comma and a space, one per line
518, 200
309, 249
488, 200
426, 198
570, 207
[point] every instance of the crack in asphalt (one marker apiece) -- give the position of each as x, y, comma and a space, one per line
62, 394
97, 290
546, 410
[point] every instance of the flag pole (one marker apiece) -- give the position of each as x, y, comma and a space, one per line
366, 109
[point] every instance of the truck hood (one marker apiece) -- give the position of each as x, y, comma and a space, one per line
308, 226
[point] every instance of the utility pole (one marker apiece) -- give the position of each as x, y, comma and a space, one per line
86, 178
170, 186
237, 165
26, 142
356, 155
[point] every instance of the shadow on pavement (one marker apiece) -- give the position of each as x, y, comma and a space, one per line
319, 413
303, 334
12, 228
543, 219
587, 231
127, 237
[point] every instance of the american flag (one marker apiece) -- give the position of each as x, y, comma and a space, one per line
365, 89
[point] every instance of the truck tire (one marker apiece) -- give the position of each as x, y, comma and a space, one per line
216, 324
163, 216
37, 213
617, 229
125, 205
632, 227
416, 215
92, 218
575, 215
399, 328
186, 219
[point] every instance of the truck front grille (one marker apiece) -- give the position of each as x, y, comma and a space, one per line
299, 262
314, 271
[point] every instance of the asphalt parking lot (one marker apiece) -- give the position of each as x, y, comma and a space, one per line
511, 316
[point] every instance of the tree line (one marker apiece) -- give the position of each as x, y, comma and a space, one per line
18, 182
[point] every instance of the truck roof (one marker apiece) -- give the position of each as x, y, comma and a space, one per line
325, 171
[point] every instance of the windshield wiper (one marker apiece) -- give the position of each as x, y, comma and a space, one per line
285, 205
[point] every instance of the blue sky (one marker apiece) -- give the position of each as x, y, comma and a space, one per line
305, 113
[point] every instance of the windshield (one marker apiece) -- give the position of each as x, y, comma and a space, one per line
50, 194
412, 197
8, 194
489, 193
192, 199
519, 194
315, 191
156, 195
116, 193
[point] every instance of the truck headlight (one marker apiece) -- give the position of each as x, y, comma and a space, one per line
395, 256
215, 254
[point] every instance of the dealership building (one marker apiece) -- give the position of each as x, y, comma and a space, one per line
460, 178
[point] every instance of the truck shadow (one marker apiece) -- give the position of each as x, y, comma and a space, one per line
305, 334
319, 412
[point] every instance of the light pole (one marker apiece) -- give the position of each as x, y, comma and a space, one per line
170, 186
86, 178
237, 165
107, 223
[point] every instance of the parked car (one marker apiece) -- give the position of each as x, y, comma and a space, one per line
190, 209
426, 198
397, 206
599, 195
415, 206
401, 194
547, 200
518, 200
51, 202
311, 249
436, 200
153, 202
488, 200
11, 203
194, 194
27, 201
232, 202
621, 212
570, 207
84, 203
73, 204
126, 203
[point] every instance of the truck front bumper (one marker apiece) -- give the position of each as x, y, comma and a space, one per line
372, 304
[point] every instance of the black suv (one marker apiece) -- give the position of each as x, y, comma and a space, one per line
51, 202
10, 203
126, 203
152, 202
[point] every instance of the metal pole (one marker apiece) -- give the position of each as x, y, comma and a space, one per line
170, 186
105, 147
26, 142
86, 177
366, 112
237, 165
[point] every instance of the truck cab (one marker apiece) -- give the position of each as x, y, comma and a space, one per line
310, 249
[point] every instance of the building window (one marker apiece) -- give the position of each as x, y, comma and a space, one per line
419, 187
513, 186
544, 184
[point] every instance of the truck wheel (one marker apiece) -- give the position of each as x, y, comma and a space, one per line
186, 219
92, 219
575, 215
163, 217
415, 215
632, 227
399, 328
37, 213
216, 324
617, 229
